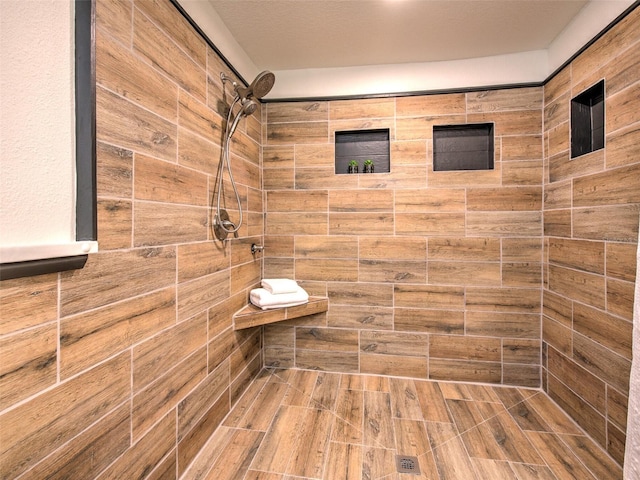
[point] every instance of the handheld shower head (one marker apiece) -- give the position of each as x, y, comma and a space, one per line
249, 106
260, 86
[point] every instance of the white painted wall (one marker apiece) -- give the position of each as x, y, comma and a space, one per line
37, 130
411, 77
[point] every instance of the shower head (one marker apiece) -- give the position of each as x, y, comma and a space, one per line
249, 106
260, 86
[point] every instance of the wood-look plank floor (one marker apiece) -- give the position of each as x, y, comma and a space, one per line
300, 424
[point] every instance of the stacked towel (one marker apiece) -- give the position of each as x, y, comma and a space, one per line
278, 286
291, 294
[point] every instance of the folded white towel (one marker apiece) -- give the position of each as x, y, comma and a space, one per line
278, 286
264, 299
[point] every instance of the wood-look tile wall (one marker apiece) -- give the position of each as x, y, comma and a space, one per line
124, 369
465, 275
429, 274
591, 210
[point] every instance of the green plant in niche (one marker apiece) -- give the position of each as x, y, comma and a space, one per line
353, 166
368, 166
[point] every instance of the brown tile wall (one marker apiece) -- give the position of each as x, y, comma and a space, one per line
591, 211
429, 274
124, 369
437, 274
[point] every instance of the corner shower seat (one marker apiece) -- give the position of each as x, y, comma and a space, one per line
252, 316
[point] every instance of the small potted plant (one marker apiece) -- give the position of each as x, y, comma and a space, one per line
353, 166
368, 166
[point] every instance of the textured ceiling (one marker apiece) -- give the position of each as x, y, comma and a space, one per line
303, 34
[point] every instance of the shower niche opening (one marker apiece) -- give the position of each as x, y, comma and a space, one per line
359, 146
463, 147
587, 121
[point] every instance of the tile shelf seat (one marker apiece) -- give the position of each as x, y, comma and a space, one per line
252, 316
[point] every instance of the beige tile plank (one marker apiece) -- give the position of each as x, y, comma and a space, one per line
348, 426
395, 365
553, 416
593, 457
262, 411
191, 443
91, 451
121, 275
27, 363
432, 402
480, 443
528, 418
512, 440
378, 463
146, 454
452, 461
325, 392
411, 437
206, 400
562, 462
376, 383
163, 395
27, 302
404, 399
344, 462
532, 472
309, 453
37, 427
494, 469
465, 414
209, 453
378, 426
275, 450
235, 458
157, 355
256, 475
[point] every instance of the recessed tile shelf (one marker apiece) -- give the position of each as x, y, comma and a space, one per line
252, 316
361, 145
587, 121
463, 147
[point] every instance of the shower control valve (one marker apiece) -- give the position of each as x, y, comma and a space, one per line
256, 248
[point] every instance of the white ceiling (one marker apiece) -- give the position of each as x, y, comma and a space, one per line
295, 34
324, 48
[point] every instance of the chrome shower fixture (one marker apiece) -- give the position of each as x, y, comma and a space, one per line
260, 86
249, 106
248, 98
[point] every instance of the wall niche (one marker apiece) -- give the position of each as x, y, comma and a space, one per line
587, 121
463, 147
362, 145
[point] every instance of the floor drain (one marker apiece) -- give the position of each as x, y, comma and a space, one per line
407, 464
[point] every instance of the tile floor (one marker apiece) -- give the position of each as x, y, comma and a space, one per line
301, 424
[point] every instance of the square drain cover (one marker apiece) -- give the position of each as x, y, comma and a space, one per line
407, 464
